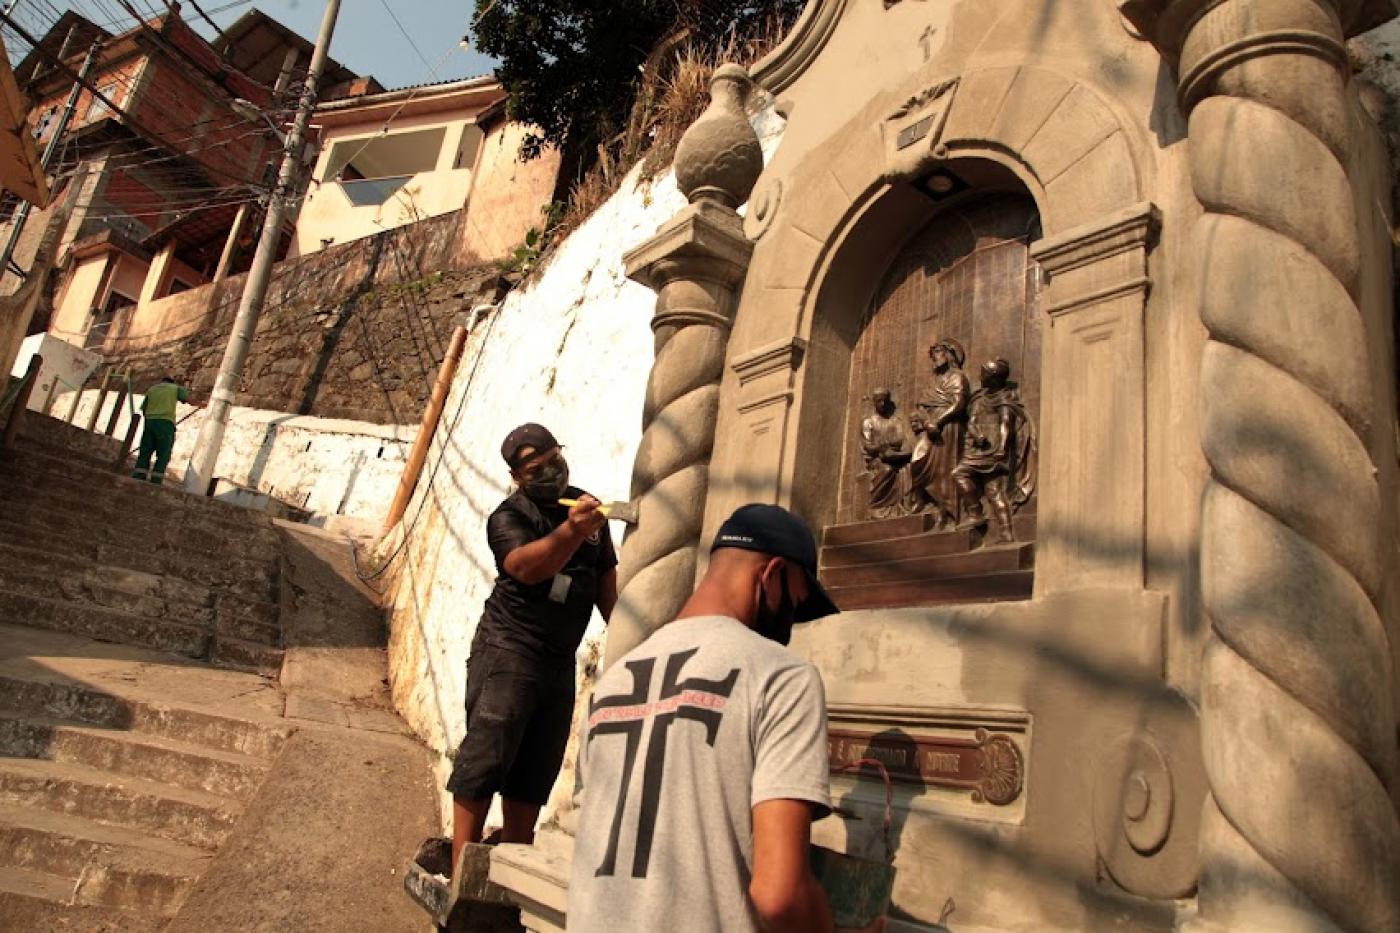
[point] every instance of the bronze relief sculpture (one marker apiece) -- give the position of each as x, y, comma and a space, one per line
959, 448
999, 451
941, 422
885, 443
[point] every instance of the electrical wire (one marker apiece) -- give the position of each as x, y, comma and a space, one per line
437, 464
432, 72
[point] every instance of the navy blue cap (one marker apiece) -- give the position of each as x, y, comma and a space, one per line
527, 435
773, 530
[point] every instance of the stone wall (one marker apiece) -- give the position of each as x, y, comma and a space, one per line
355, 331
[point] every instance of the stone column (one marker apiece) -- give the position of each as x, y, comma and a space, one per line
1298, 734
695, 263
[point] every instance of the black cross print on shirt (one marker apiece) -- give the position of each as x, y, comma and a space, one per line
631, 725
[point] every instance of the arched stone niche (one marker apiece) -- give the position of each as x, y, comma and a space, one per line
826, 233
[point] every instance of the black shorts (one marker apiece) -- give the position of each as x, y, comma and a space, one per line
519, 712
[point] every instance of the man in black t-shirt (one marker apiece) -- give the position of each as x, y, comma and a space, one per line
554, 565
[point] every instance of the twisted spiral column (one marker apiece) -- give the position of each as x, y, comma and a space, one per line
695, 263
1297, 721
670, 477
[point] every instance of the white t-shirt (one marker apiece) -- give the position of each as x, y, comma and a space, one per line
686, 733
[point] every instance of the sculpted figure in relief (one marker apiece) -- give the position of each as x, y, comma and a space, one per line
886, 446
998, 453
940, 423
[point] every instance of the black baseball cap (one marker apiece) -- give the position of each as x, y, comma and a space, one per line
771, 529
527, 435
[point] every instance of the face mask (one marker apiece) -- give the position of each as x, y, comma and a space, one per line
776, 623
549, 483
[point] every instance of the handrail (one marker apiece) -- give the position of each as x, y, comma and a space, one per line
11, 393
21, 402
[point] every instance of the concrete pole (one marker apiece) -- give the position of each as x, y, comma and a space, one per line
50, 150
200, 472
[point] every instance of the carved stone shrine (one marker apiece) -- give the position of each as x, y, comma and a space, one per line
1069, 327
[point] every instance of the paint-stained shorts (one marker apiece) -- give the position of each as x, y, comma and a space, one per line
518, 716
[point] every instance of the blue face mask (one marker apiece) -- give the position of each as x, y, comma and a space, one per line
776, 623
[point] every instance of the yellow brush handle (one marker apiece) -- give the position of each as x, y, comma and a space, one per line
570, 503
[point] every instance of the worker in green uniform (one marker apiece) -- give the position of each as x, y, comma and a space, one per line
158, 435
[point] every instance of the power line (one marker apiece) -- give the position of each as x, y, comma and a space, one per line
432, 72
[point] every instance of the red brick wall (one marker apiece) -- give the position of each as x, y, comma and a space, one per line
187, 112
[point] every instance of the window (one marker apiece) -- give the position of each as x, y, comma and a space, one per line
371, 171
97, 108
41, 126
470, 145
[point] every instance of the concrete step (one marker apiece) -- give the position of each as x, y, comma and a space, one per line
240, 655
105, 624
124, 628
196, 818
45, 574
37, 696
133, 754
35, 901
39, 468
115, 867
41, 432
133, 524
248, 580
38, 901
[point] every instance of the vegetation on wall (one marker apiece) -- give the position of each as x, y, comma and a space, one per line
646, 107
571, 66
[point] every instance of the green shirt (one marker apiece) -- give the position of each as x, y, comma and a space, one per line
160, 401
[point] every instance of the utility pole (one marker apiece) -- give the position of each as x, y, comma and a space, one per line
200, 472
50, 152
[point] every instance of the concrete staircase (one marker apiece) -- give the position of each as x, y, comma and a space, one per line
113, 798
138, 631
89, 551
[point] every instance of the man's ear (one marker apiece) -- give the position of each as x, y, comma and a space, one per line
773, 570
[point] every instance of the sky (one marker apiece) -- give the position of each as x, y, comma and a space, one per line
367, 40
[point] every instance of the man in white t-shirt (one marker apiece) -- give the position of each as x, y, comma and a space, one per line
705, 759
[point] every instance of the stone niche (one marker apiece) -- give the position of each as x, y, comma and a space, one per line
937, 494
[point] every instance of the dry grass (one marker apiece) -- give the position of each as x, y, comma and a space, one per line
671, 94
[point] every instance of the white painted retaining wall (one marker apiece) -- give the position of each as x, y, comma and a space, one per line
571, 350
328, 466
64, 363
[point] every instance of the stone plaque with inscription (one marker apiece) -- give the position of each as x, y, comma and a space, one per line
988, 764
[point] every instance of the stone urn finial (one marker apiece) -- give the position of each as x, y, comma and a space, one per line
719, 158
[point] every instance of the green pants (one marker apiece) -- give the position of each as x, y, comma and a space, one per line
158, 438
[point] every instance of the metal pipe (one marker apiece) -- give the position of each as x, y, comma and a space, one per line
126, 444
31, 375
431, 415
101, 399
77, 398
53, 394
123, 385
199, 474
